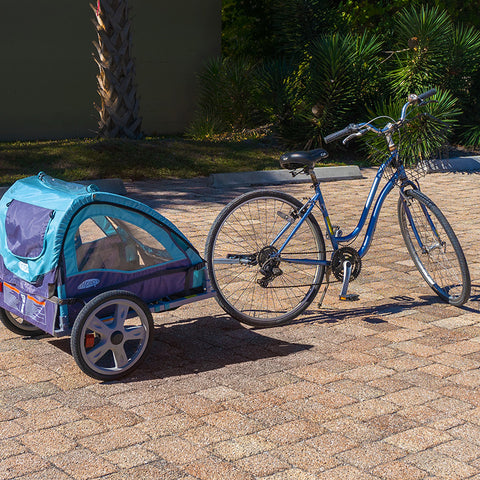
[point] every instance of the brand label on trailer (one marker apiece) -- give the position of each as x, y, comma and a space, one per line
23, 267
90, 283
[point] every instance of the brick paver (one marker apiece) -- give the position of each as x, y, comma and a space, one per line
383, 388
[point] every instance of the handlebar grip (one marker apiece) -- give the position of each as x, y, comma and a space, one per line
427, 94
341, 133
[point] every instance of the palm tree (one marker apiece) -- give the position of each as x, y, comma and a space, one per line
119, 105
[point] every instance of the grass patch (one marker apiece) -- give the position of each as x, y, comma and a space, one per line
150, 158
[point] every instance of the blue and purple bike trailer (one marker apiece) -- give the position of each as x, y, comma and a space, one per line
93, 265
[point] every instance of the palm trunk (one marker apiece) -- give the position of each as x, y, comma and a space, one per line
116, 86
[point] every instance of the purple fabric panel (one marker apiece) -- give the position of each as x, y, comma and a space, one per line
39, 288
73, 311
148, 290
51, 315
158, 287
34, 309
88, 284
25, 227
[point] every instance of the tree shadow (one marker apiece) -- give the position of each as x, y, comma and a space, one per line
210, 343
176, 196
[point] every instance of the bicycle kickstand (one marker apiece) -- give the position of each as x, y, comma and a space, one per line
347, 272
327, 283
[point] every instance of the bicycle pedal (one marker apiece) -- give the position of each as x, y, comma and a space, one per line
349, 297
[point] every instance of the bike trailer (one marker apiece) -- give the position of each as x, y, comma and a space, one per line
65, 244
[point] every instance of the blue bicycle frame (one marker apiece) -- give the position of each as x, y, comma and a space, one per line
317, 199
280, 274
337, 240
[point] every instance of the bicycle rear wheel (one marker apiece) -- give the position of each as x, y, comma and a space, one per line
434, 247
252, 286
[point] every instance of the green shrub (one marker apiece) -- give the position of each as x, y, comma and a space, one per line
331, 79
279, 98
433, 51
226, 99
339, 79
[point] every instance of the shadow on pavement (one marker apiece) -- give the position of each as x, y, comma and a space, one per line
209, 343
399, 304
204, 344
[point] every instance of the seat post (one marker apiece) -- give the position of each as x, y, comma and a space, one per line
313, 176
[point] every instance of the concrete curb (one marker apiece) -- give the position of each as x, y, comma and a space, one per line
325, 174
272, 177
457, 164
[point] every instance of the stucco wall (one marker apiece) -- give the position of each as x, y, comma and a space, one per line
47, 81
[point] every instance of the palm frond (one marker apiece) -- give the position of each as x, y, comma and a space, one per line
425, 134
340, 71
471, 136
423, 40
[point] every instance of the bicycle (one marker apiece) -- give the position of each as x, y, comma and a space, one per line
266, 254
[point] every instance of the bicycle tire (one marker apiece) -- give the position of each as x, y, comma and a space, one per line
112, 335
246, 227
441, 262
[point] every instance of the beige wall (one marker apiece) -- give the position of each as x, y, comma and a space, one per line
47, 73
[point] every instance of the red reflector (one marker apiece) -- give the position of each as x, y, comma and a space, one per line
89, 340
1, 287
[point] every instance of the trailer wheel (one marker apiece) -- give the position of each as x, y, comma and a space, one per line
18, 325
112, 335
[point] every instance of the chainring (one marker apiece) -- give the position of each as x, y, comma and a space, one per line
346, 254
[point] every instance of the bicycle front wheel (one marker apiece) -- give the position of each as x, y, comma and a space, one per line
253, 284
434, 247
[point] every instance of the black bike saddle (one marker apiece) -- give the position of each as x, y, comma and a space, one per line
294, 160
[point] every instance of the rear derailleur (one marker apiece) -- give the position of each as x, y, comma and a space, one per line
269, 265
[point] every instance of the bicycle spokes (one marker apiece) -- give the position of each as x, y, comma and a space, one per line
434, 247
254, 267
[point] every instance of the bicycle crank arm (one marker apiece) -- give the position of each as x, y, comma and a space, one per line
347, 272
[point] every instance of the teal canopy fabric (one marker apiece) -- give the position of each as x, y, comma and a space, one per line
54, 204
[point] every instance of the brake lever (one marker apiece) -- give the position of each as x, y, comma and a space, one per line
354, 135
427, 102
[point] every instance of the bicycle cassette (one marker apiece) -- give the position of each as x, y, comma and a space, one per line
342, 255
269, 265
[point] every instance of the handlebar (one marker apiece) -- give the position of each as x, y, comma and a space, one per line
356, 130
340, 134
427, 94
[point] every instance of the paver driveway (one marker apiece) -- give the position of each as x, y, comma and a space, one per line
383, 388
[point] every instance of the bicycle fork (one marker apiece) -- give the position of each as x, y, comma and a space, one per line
425, 249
